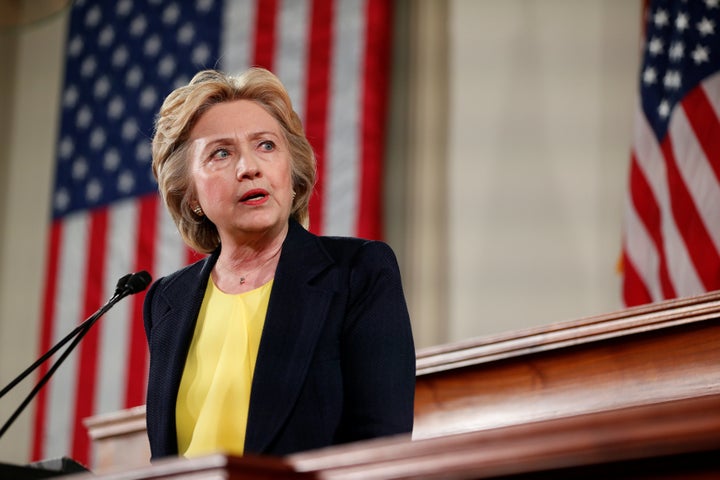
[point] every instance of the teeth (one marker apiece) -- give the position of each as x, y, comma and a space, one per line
251, 197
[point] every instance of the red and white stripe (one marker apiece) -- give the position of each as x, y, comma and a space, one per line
672, 223
107, 371
333, 57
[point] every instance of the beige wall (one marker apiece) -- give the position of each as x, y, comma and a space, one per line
541, 101
514, 136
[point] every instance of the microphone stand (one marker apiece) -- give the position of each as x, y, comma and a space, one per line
115, 298
133, 283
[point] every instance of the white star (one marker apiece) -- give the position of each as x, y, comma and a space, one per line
200, 55
672, 79
655, 46
664, 109
649, 76
123, 7
186, 34
66, 148
700, 54
120, 56
79, 169
126, 182
143, 151
660, 19
138, 26
93, 16
97, 138
148, 97
129, 129
93, 190
171, 14
111, 160
87, 69
677, 51
706, 27
152, 46
83, 117
62, 199
106, 37
70, 97
682, 21
204, 5
166, 66
102, 87
711, 3
75, 46
134, 77
116, 107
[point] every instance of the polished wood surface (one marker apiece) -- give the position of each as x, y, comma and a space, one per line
631, 394
636, 437
119, 438
634, 357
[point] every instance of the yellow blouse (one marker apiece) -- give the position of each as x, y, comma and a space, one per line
214, 396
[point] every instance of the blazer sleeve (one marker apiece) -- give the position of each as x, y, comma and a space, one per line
377, 350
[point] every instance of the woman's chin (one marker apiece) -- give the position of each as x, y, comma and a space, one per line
258, 227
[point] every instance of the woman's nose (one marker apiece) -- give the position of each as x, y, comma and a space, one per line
247, 168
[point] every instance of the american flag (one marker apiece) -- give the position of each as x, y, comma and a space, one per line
671, 244
122, 59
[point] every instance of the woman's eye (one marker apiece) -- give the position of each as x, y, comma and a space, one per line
220, 153
267, 146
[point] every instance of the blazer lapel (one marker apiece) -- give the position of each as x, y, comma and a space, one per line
183, 299
296, 312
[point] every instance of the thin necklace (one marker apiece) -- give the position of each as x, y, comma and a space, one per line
244, 277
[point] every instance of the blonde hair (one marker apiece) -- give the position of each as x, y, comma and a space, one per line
178, 115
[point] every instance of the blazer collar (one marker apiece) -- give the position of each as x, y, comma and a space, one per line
182, 296
296, 312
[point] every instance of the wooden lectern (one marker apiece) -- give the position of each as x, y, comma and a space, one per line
632, 394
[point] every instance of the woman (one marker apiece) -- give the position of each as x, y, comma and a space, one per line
278, 341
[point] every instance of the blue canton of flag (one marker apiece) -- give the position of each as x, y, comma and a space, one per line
671, 245
681, 50
123, 58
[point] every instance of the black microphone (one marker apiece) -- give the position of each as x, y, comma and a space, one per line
137, 282
127, 285
121, 283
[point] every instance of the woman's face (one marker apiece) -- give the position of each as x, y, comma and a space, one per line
240, 167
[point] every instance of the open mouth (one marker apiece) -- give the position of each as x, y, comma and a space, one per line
254, 195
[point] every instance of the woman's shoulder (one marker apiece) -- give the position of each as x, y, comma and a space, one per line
357, 249
340, 250
350, 243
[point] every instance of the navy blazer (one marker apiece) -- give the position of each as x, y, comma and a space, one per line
336, 361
